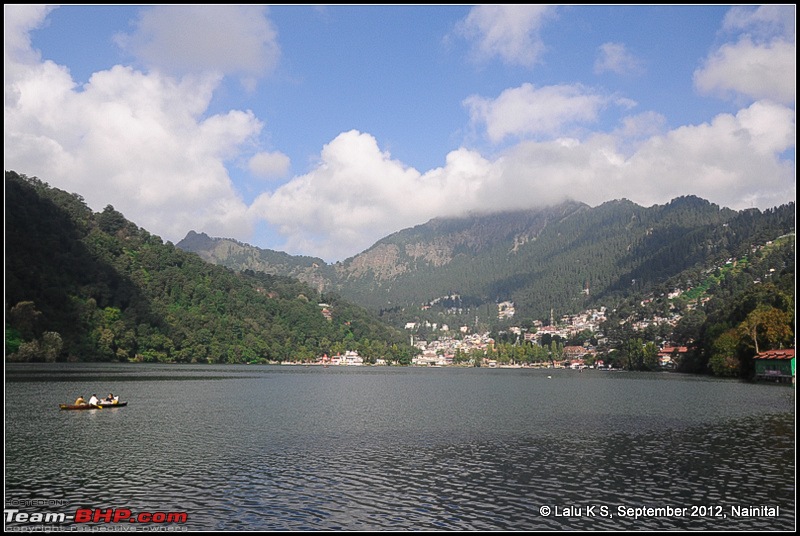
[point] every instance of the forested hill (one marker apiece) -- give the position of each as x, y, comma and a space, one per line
563, 259
93, 286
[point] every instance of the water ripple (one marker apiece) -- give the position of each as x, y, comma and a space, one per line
313, 451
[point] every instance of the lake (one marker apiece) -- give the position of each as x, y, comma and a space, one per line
377, 448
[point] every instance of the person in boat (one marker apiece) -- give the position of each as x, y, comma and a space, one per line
109, 399
94, 400
80, 401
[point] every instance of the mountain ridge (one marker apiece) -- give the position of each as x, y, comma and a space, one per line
563, 257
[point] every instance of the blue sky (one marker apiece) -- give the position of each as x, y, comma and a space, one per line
317, 130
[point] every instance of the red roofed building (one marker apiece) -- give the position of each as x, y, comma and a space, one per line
574, 352
667, 355
775, 365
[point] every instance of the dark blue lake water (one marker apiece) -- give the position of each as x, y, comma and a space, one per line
373, 448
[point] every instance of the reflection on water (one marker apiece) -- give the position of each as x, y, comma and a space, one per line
306, 448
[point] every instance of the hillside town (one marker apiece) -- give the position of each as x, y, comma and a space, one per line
460, 347
445, 349
575, 341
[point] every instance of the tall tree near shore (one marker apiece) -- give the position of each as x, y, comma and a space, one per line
769, 324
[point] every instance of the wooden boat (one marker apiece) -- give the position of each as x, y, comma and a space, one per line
93, 406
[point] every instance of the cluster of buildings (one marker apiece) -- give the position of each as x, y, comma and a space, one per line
442, 351
505, 310
568, 327
350, 358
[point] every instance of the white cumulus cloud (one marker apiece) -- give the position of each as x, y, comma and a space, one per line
768, 21
510, 32
269, 165
142, 142
746, 68
357, 194
645, 124
615, 58
761, 63
527, 110
231, 40
734, 161
18, 21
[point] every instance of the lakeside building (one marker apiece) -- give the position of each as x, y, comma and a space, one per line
669, 356
775, 365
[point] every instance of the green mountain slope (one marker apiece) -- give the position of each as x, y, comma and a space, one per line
86, 286
239, 256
